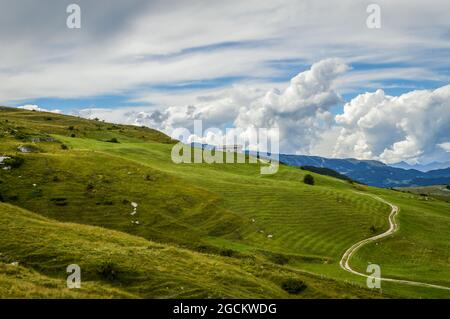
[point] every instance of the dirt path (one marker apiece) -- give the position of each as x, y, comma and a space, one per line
393, 227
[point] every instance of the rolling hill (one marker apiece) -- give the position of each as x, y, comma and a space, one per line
198, 230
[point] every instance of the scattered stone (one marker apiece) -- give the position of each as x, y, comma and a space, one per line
27, 149
2, 158
41, 139
270, 236
15, 263
135, 205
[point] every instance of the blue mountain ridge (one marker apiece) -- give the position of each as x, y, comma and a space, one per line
370, 172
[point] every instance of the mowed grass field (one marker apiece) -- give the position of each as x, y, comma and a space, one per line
226, 211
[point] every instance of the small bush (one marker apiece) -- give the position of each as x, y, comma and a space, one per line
59, 201
113, 140
107, 271
90, 187
36, 193
72, 135
71, 128
14, 162
226, 252
373, 229
308, 179
64, 147
105, 203
293, 286
279, 259
207, 249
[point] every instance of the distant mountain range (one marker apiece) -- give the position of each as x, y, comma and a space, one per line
422, 167
370, 172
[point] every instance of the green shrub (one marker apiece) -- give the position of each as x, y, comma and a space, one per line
64, 147
107, 270
276, 258
226, 252
293, 286
13, 162
113, 140
59, 201
308, 179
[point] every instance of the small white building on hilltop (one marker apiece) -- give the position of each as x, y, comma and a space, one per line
229, 148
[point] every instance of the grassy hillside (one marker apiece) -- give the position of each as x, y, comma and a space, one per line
441, 192
228, 212
115, 264
421, 248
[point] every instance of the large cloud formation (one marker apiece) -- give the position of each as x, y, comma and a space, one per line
300, 112
413, 127
391, 129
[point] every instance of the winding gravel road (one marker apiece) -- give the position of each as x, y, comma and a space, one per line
393, 227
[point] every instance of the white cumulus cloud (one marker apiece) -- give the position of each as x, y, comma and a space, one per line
300, 111
394, 128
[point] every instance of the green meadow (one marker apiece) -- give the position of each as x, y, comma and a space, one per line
199, 230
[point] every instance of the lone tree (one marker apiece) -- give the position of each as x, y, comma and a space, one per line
308, 179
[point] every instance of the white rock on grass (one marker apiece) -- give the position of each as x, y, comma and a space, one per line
15, 263
135, 205
2, 158
270, 236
